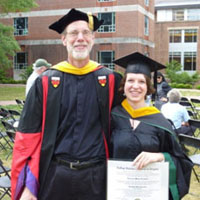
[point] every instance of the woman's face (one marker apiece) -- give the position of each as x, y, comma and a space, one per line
135, 87
159, 79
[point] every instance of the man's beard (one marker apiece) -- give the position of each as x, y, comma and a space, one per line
79, 55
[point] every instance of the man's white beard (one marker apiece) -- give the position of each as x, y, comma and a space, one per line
78, 55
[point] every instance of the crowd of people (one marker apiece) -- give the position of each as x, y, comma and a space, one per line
78, 114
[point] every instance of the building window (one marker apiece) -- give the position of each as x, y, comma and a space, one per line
175, 56
109, 22
146, 2
175, 36
191, 35
106, 58
21, 60
190, 61
178, 15
21, 26
193, 14
146, 25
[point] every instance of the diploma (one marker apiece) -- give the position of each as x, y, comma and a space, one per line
125, 182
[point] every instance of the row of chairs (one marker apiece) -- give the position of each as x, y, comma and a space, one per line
5, 183
192, 105
8, 118
192, 141
20, 103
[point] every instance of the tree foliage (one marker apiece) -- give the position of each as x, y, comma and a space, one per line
175, 74
7, 6
8, 44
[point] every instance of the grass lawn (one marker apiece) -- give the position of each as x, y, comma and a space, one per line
13, 92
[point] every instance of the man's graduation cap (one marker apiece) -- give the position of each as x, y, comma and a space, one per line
75, 15
139, 64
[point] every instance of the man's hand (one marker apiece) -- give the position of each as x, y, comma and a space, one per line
145, 158
27, 195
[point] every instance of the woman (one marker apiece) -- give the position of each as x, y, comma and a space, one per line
162, 89
141, 133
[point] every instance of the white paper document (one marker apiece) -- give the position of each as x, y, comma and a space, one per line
125, 182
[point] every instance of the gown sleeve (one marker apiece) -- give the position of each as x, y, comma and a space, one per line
180, 165
26, 151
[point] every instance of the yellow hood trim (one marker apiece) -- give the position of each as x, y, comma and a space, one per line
139, 112
68, 68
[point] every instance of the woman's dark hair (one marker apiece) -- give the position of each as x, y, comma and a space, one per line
159, 74
150, 88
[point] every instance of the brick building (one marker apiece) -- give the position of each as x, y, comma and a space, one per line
177, 32
128, 27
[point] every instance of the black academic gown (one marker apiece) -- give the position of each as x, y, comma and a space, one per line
153, 134
37, 132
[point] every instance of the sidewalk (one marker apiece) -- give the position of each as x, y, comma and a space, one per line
5, 103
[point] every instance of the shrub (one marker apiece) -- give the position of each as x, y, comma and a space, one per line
180, 85
12, 81
26, 73
2, 74
175, 75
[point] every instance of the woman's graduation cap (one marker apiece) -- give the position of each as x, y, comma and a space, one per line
140, 64
75, 15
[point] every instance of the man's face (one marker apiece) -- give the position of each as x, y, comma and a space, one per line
78, 39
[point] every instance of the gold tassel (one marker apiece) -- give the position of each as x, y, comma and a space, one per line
90, 21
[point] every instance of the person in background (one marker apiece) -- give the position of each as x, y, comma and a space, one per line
162, 89
39, 67
140, 132
62, 141
177, 113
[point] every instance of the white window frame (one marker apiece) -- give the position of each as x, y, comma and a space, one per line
21, 31
176, 15
193, 56
107, 28
172, 34
173, 55
146, 2
194, 35
110, 64
193, 16
146, 25
21, 65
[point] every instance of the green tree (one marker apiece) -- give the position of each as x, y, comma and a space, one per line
7, 6
8, 44
175, 74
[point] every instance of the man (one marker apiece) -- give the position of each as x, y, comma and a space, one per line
177, 113
39, 66
62, 141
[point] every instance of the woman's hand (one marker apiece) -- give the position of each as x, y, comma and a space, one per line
27, 195
163, 99
145, 158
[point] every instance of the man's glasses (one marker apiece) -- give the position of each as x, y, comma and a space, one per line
74, 34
